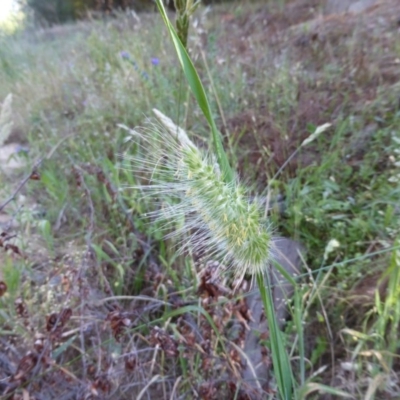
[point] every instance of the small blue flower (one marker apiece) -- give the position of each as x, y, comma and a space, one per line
125, 54
155, 61
21, 149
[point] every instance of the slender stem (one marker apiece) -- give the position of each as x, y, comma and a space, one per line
280, 359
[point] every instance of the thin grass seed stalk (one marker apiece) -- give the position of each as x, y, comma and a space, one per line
228, 225
184, 10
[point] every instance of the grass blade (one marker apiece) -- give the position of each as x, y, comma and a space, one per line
280, 359
199, 93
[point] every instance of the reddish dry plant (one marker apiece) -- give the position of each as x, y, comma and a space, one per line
187, 333
26, 365
119, 321
3, 288
130, 362
77, 176
212, 390
55, 323
4, 238
208, 391
101, 177
35, 176
66, 284
241, 394
242, 312
210, 284
20, 308
165, 342
101, 383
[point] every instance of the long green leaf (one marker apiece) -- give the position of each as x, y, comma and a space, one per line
199, 93
317, 387
280, 359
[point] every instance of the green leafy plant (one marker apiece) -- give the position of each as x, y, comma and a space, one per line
215, 203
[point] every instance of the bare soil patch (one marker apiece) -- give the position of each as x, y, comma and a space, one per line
359, 48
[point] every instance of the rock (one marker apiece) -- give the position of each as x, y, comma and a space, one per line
354, 6
7, 221
12, 156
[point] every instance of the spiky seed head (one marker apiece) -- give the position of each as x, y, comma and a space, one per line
227, 223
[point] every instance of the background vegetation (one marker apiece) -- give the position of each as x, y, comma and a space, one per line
95, 303
61, 11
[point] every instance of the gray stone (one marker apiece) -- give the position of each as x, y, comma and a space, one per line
354, 6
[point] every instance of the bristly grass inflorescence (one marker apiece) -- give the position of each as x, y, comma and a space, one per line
218, 215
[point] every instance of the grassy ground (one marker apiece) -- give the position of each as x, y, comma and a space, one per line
98, 304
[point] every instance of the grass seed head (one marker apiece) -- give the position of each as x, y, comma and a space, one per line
218, 215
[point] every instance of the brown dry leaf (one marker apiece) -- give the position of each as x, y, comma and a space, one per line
3, 288
55, 322
167, 343
102, 383
130, 362
20, 308
242, 312
210, 285
35, 176
4, 238
118, 323
26, 365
